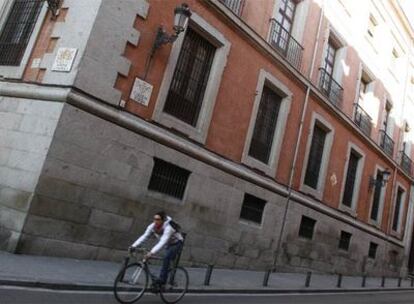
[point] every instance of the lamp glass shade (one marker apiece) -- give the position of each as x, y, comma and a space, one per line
181, 15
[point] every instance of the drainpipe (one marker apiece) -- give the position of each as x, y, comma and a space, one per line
304, 109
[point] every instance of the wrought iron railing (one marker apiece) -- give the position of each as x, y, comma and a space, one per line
363, 120
330, 88
283, 42
235, 5
386, 143
406, 164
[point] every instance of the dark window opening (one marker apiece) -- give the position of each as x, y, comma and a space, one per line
377, 197
252, 208
344, 241
307, 226
398, 203
350, 178
372, 252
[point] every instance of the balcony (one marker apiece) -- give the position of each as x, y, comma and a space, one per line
281, 40
386, 143
330, 88
406, 164
235, 5
363, 120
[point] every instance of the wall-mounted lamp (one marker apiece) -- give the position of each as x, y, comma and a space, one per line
181, 15
382, 181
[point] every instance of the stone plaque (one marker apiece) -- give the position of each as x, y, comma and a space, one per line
141, 92
64, 59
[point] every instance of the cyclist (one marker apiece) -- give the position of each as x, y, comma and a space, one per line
167, 236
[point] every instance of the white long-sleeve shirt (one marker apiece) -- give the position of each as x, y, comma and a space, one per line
169, 235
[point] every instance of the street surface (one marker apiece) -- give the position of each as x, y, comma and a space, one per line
12, 295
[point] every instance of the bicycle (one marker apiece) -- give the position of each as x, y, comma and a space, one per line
132, 280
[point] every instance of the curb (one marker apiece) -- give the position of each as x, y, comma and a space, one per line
264, 290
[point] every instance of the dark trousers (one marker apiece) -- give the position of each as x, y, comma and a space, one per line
170, 255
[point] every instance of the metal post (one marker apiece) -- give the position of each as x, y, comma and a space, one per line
364, 280
208, 275
339, 283
399, 282
266, 277
308, 279
383, 282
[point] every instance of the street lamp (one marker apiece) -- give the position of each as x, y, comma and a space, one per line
382, 181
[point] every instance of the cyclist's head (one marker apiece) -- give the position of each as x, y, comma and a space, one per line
159, 218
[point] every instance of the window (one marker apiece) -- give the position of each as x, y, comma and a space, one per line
307, 226
344, 241
351, 175
284, 19
393, 258
377, 197
265, 126
252, 208
168, 179
372, 252
397, 209
330, 55
190, 78
363, 88
315, 156
17, 30
372, 24
235, 5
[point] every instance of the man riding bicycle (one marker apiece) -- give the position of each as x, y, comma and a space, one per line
167, 236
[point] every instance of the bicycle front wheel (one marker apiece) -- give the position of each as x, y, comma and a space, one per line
130, 283
176, 287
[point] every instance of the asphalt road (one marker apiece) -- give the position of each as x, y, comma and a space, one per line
11, 295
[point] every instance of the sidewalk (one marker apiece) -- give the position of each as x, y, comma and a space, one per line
71, 274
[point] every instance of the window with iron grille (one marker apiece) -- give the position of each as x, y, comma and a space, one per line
307, 227
377, 197
285, 17
397, 208
190, 78
351, 173
264, 129
372, 252
315, 157
344, 241
168, 179
252, 208
17, 30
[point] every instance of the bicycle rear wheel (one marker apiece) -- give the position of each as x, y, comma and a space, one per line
176, 287
130, 283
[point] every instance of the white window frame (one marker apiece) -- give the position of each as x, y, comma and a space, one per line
320, 120
16, 72
267, 79
378, 222
199, 132
402, 209
358, 178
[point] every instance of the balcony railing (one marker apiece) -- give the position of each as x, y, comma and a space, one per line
235, 5
386, 143
363, 120
283, 42
330, 88
406, 164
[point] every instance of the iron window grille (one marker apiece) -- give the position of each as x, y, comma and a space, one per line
190, 78
252, 208
406, 163
344, 241
265, 126
377, 196
363, 120
168, 179
307, 227
17, 30
315, 157
350, 179
386, 143
372, 252
236, 6
396, 217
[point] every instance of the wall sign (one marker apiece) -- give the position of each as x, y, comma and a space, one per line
141, 92
64, 59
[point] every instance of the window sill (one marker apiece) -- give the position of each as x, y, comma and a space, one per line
251, 224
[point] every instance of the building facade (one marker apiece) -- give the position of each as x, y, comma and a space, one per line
277, 134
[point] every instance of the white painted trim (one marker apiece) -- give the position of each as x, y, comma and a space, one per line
318, 192
199, 132
266, 78
16, 72
299, 20
397, 232
377, 222
358, 178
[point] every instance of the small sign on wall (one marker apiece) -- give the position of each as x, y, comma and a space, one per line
141, 92
64, 59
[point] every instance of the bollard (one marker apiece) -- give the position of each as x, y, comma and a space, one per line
364, 280
208, 275
383, 282
339, 283
412, 282
266, 278
399, 282
308, 279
